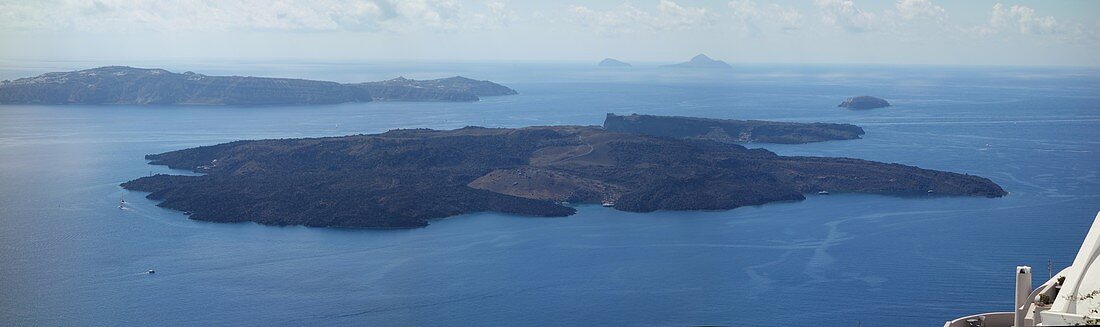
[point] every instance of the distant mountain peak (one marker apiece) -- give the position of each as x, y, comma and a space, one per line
702, 61
610, 62
460, 78
115, 69
701, 58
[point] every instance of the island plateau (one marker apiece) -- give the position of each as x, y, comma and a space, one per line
406, 178
724, 130
702, 62
138, 86
608, 62
864, 102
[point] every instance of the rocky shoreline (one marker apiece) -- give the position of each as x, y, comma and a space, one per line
405, 178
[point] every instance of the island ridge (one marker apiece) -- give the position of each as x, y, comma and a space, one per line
405, 178
138, 86
726, 130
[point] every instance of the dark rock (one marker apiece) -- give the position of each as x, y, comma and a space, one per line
864, 102
724, 130
404, 178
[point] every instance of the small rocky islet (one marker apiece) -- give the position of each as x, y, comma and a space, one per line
406, 178
864, 102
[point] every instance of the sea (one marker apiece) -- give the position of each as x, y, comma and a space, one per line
70, 257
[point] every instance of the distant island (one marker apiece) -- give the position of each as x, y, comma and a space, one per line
723, 130
701, 62
405, 178
608, 62
128, 85
864, 102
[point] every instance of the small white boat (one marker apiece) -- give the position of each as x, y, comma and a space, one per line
608, 204
151, 271
823, 193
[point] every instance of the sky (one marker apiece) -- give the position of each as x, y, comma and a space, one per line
937, 32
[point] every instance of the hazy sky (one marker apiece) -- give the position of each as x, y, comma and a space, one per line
739, 31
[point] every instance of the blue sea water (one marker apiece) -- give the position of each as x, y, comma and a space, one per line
69, 256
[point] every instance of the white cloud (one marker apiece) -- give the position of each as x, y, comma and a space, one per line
224, 15
668, 15
844, 14
1022, 19
753, 17
917, 9
672, 15
906, 14
437, 14
497, 15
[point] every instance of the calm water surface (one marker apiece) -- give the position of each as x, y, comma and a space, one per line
69, 256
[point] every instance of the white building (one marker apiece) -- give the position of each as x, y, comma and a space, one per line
1070, 298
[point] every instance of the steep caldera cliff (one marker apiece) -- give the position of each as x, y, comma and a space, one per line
128, 85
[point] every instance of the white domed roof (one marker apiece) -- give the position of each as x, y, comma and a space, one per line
1080, 292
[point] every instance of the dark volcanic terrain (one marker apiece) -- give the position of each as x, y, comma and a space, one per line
864, 102
724, 130
404, 178
128, 85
